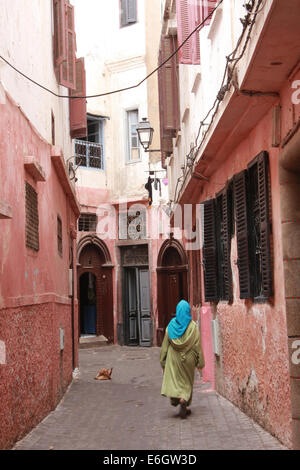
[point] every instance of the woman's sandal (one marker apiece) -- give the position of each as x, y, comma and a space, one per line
183, 410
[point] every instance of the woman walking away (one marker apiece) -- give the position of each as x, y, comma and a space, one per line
181, 353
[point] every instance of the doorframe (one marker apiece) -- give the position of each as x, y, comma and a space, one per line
126, 327
106, 269
163, 270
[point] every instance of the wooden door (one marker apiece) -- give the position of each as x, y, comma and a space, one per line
145, 308
132, 305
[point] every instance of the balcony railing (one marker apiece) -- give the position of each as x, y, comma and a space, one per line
89, 154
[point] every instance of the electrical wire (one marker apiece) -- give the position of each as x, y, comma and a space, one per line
99, 95
192, 155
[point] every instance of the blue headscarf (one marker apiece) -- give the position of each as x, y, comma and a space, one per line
179, 324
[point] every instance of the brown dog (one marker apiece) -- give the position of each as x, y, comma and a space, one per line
104, 374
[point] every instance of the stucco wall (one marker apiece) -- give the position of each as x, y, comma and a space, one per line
30, 29
34, 286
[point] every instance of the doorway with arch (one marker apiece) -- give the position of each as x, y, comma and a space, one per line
95, 289
172, 283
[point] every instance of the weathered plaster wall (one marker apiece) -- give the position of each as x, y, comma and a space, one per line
253, 370
34, 286
30, 29
36, 373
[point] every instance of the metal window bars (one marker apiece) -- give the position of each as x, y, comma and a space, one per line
89, 154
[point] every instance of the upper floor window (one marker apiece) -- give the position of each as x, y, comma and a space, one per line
89, 151
87, 223
128, 12
133, 148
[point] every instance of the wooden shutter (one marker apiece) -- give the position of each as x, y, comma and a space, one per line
131, 11
59, 31
32, 218
78, 113
263, 194
123, 12
206, 7
226, 244
241, 215
196, 39
168, 87
210, 252
183, 30
67, 69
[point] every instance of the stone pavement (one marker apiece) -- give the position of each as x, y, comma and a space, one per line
128, 412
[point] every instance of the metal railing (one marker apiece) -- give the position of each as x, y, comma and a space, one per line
89, 154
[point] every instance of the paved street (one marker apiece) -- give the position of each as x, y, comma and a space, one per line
129, 413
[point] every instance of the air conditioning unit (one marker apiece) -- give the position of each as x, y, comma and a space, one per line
215, 327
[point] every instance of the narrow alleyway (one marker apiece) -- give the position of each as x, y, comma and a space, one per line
129, 413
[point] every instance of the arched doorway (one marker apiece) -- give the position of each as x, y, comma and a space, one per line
95, 289
172, 283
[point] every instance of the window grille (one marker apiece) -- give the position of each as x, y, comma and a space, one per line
89, 151
32, 218
87, 223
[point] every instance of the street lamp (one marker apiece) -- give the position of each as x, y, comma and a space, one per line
145, 133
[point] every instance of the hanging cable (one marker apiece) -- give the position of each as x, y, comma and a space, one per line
99, 95
225, 86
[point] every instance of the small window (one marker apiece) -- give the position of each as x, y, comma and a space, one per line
89, 151
87, 223
31, 218
133, 154
128, 12
59, 236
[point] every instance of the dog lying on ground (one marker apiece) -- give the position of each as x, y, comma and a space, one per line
104, 374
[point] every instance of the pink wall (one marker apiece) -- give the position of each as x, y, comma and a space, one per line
34, 286
253, 371
90, 200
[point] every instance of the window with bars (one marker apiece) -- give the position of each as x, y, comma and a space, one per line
133, 153
248, 198
59, 236
128, 12
31, 218
89, 151
87, 223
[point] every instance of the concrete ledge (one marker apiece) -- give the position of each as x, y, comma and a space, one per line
92, 342
33, 167
5, 211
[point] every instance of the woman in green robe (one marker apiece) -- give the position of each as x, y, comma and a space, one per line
181, 353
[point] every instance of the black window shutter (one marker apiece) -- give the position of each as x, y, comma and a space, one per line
241, 215
210, 252
266, 290
226, 239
